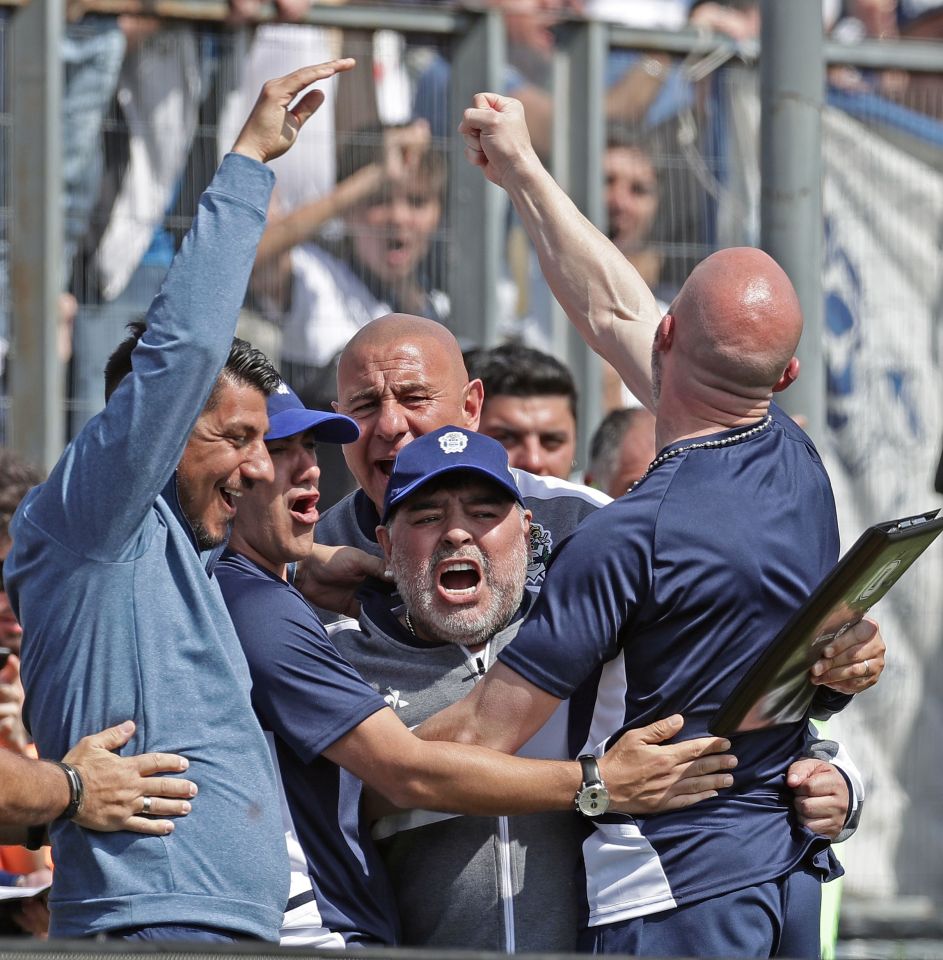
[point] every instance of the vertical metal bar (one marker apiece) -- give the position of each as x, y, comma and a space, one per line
476, 207
35, 78
792, 85
577, 145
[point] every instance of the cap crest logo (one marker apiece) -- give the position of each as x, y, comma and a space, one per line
453, 442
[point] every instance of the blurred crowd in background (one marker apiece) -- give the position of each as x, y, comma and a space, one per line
360, 224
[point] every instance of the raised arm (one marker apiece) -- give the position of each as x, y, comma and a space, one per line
601, 292
104, 485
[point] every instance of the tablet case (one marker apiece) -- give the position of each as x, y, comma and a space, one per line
776, 689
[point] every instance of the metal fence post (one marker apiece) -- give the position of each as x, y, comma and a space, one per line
35, 76
792, 86
476, 207
576, 164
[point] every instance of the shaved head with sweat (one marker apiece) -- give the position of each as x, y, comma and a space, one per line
401, 377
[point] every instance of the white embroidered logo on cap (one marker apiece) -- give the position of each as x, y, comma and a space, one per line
282, 387
453, 442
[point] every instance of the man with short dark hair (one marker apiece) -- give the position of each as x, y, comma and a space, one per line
529, 407
111, 577
621, 449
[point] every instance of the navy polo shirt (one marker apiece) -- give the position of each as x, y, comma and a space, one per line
658, 604
306, 697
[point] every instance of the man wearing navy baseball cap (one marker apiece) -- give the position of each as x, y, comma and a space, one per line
455, 532
444, 451
320, 716
287, 415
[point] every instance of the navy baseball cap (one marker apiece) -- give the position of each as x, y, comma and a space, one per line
287, 415
444, 451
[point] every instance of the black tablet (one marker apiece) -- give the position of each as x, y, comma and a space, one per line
777, 689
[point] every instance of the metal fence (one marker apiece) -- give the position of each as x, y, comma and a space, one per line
657, 132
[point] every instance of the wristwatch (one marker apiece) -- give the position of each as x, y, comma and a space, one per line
592, 798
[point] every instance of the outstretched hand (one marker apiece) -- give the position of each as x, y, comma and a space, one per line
853, 661
645, 775
272, 127
116, 787
496, 138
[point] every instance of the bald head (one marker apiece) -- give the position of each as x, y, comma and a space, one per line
738, 319
395, 331
400, 377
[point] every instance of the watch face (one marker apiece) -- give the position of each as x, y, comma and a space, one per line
593, 801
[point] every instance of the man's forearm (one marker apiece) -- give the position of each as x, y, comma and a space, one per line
601, 292
458, 778
31, 792
451, 777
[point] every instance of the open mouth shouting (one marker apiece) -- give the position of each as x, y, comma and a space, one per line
304, 509
458, 580
398, 251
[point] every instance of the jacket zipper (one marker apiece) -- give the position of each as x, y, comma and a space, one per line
478, 666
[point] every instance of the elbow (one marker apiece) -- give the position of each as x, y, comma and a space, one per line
410, 792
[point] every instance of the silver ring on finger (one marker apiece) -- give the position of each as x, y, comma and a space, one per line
867, 668
146, 809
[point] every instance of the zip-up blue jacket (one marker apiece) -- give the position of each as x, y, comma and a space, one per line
122, 617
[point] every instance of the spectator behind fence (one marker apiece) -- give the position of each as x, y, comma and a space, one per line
111, 571
621, 449
632, 195
390, 195
632, 198
17, 478
530, 404
159, 153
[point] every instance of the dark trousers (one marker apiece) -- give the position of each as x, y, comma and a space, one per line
779, 918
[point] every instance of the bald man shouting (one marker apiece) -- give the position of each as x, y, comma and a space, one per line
660, 602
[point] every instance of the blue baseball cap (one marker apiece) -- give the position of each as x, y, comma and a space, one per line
444, 451
287, 415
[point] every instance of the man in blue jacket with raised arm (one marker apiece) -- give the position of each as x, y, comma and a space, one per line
111, 577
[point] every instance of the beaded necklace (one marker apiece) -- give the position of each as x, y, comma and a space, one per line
706, 445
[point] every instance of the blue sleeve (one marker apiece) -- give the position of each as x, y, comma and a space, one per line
97, 497
827, 702
303, 690
591, 594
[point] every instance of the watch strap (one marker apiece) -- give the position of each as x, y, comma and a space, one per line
590, 768
76, 790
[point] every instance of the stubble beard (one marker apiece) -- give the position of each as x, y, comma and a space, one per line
205, 539
656, 375
504, 577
